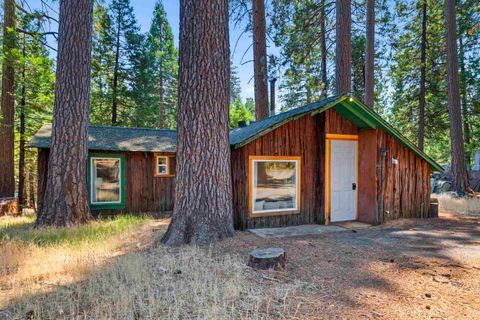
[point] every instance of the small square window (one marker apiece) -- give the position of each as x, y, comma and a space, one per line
162, 166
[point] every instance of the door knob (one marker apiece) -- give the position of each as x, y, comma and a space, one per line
354, 186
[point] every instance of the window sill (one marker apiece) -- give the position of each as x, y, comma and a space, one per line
272, 214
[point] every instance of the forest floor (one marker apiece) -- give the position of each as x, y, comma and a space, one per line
405, 269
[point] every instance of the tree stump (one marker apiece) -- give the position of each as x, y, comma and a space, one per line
268, 258
433, 208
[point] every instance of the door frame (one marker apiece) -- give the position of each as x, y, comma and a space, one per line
328, 144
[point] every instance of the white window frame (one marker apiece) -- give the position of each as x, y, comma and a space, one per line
167, 166
296, 209
93, 170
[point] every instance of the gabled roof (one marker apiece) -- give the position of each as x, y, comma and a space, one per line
154, 140
117, 139
348, 107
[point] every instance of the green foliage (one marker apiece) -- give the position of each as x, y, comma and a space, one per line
34, 81
146, 63
240, 111
74, 236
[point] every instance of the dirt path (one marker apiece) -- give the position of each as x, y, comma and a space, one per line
406, 269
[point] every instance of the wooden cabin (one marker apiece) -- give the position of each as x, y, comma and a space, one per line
329, 161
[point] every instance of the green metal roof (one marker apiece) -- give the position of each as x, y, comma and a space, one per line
350, 108
153, 140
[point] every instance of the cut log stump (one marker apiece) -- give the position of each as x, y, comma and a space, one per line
434, 208
268, 258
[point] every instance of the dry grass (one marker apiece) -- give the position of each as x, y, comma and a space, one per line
121, 272
448, 203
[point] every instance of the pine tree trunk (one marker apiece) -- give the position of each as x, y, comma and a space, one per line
370, 55
31, 188
21, 158
7, 180
66, 194
463, 89
423, 62
343, 47
115, 74
260, 59
323, 50
203, 195
460, 181
161, 104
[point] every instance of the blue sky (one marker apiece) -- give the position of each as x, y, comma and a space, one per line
144, 11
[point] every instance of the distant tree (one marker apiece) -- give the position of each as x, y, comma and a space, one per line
423, 63
117, 47
460, 179
235, 86
66, 194
164, 63
203, 210
7, 180
260, 59
343, 70
240, 112
370, 55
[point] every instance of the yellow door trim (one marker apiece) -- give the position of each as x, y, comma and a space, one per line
328, 146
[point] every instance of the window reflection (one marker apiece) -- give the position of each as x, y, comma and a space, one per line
106, 180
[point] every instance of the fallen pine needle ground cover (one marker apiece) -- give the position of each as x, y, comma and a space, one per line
117, 269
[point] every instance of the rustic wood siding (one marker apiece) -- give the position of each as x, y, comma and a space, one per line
145, 193
303, 138
403, 189
389, 192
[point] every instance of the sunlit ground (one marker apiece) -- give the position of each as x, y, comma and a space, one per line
117, 269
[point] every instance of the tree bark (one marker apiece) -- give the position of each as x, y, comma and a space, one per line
21, 158
370, 55
343, 47
272, 96
463, 90
7, 180
260, 59
66, 194
423, 62
323, 50
115, 73
203, 195
460, 180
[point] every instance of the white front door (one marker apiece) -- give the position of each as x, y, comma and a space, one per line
343, 177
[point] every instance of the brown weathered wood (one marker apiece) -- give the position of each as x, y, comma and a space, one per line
268, 258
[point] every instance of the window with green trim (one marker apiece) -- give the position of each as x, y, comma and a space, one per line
107, 181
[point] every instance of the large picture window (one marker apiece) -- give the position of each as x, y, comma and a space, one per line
106, 180
274, 185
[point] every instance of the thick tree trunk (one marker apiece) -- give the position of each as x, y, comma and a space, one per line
460, 180
323, 50
66, 194
115, 74
370, 55
203, 196
423, 62
21, 158
260, 59
463, 90
32, 189
272, 96
343, 47
7, 181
